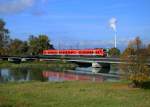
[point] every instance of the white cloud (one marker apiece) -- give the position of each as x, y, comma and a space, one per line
112, 23
14, 6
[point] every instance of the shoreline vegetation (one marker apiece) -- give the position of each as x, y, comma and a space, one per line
72, 94
60, 65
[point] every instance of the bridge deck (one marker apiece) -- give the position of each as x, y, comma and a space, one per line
110, 60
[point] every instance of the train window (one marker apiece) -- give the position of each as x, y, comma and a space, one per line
91, 52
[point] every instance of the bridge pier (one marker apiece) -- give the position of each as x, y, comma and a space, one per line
23, 59
15, 60
100, 65
96, 65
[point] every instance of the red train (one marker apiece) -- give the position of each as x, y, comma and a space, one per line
82, 52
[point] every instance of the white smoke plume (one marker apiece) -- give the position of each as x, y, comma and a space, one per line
113, 23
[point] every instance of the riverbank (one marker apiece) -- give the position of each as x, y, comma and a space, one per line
72, 94
37, 64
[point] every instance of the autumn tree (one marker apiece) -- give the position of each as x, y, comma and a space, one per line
114, 52
136, 68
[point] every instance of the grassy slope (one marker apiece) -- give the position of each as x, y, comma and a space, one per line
72, 94
36, 64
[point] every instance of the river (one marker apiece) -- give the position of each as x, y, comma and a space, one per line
77, 74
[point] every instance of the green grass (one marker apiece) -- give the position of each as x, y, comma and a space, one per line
36, 64
72, 94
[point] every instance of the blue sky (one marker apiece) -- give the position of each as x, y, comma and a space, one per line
82, 23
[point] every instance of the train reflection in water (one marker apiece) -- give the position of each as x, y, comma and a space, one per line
70, 76
80, 75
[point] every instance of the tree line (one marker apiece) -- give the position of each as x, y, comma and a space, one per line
14, 47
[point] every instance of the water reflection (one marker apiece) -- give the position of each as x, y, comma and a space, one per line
91, 69
80, 74
11, 75
5, 75
71, 76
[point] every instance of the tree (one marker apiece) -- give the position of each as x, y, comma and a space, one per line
4, 38
44, 42
148, 50
33, 45
38, 44
114, 52
24, 48
18, 47
136, 68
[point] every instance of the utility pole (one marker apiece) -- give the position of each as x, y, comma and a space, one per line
115, 42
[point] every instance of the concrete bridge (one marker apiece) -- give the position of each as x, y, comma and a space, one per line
98, 62
89, 61
102, 62
18, 58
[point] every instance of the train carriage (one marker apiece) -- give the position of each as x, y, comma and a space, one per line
79, 52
